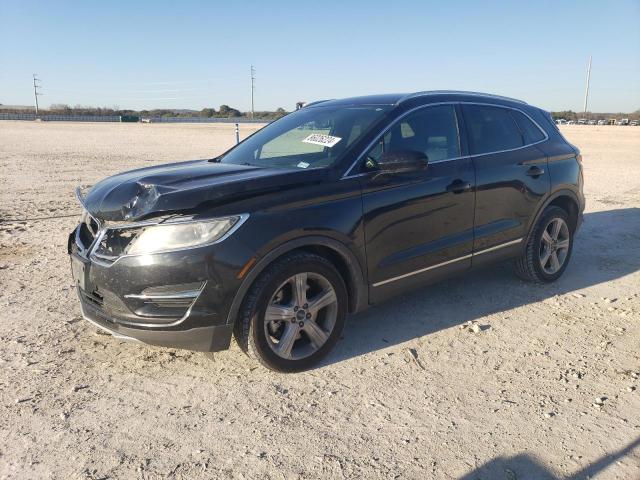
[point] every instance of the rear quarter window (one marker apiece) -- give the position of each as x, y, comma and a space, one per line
491, 129
530, 131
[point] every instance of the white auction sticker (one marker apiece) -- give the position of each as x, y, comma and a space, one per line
321, 139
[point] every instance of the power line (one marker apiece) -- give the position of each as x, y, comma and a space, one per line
36, 94
118, 92
253, 87
202, 80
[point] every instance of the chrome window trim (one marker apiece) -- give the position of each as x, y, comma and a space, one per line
377, 139
546, 137
457, 259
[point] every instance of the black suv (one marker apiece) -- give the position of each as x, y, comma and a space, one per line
329, 210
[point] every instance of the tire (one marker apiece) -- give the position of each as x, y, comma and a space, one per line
297, 336
534, 265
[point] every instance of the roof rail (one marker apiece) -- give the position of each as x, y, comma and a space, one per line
459, 92
316, 103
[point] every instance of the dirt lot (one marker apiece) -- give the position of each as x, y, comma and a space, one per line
549, 388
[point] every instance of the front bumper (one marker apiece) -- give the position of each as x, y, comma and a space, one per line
204, 339
178, 299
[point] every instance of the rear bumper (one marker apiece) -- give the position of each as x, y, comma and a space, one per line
204, 339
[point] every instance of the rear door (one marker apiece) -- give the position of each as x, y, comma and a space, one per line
419, 226
511, 174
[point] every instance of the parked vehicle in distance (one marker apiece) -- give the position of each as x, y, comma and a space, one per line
333, 208
623, 121
571, 122
561, 121
582, 121
634, 123
592, 122
602, 122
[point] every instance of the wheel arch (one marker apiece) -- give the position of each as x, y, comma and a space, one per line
339, 254
565, 199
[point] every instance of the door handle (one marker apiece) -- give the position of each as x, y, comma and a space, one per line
535, 171
458, 186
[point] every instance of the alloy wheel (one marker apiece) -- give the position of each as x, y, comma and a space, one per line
554, 246
300, 316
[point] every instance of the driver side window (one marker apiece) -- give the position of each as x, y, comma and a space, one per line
430, 130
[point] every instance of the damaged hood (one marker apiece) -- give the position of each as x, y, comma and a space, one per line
177, 187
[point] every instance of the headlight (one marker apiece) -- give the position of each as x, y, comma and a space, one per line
176, 236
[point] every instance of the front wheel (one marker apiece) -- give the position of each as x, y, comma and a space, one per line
294, 313
548, 249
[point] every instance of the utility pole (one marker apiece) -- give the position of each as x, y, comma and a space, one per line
253, 87
586, 91
35, 90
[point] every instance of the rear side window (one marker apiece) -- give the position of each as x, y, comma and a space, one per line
491, 129
530, 131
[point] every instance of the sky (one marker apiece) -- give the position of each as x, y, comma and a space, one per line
192, 54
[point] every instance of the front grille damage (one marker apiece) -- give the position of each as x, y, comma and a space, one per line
106, 245
113, 244
103, 245
88, 230
94, 298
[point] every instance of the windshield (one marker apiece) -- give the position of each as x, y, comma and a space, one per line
308, 138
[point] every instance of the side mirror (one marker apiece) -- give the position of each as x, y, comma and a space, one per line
402, 161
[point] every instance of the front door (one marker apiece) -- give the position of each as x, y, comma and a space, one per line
418, 226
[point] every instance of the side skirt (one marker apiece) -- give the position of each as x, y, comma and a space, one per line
487, 255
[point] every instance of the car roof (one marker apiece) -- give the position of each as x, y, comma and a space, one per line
430, 96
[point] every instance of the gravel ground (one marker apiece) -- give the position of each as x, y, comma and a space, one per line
546, 386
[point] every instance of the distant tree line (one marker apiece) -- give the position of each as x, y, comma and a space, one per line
224, 111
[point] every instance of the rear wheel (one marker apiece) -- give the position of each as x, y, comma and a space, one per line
293, 313
548, 249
